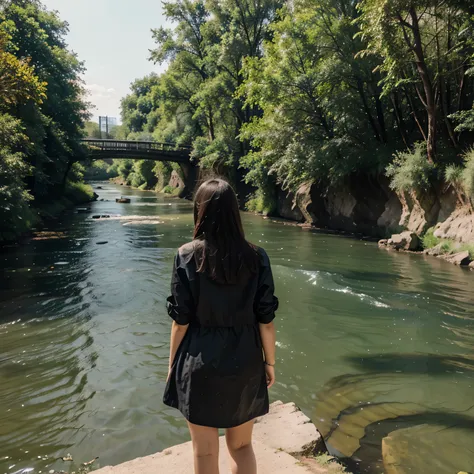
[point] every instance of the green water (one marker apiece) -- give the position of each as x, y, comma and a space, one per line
370, 342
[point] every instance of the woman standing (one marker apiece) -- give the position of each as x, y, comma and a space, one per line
222, 353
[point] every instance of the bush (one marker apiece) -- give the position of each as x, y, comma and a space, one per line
429, 240
261, 202
162, 171
170, 190
453, 174
78, 192
410, 171
16, 217
468, 173
101, 171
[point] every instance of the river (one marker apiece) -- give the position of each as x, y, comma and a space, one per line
369, 342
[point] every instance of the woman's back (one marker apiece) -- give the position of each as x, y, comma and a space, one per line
214, 304
222, 303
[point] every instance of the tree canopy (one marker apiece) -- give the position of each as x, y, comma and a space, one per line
42, 111
314, 90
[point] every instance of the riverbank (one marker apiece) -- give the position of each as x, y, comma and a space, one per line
40, 216
457, 253
168, 191
285, 441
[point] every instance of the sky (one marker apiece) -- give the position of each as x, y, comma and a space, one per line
113, 38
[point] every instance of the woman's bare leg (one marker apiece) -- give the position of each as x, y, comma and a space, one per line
239, 443
206, 449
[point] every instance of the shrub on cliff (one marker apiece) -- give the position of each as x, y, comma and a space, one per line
462, 177
468, 173
411, 171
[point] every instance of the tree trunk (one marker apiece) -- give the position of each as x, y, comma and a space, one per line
430, 99
211, 125
381, 118
365, 105
399, 118
414, 114
64, 180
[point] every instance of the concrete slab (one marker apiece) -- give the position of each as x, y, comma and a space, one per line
287, 428
278, 435
179, 460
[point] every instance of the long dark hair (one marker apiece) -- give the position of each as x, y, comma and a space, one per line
222, 252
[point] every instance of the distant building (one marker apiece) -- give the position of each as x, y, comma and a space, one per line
107, 124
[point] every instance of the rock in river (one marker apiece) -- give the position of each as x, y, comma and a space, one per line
405, 241
460, 258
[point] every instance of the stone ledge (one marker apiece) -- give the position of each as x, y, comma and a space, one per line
287, 428
284, 432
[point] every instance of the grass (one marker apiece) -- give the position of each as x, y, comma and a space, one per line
78, 192
323, 463
171, 190
429, 240
32, 216
448, 246
261, 204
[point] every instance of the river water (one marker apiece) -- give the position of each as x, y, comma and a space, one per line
370, 343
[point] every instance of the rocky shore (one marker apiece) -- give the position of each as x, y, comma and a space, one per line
285, 441
369, 207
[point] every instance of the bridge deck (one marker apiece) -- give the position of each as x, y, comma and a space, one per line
131, 149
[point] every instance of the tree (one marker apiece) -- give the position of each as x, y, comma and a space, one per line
91, 130
422, 46
54, 126
18, 84
323, 115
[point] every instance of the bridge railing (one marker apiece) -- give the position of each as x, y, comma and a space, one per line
133, 145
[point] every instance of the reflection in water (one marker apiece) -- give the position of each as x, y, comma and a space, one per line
371, 345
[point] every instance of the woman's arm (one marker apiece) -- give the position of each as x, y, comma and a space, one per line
180, 307
268, 335
177, 335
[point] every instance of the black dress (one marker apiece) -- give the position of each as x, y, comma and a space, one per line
218, 375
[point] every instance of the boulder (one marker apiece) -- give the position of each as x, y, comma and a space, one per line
419, 210
175, 180
383, 243
287, 207
405, 241
458, 226
434, 251
460, 258
471, 265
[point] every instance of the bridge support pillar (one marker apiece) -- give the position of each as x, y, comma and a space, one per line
190, 178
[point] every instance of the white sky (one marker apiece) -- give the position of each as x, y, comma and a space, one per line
113, 38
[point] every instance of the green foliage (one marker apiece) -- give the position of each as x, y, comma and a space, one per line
216, 155
171, 190
78, 192
162, 171
142, 173
468, 173
410, 170
262, 202
42, 112
18, 82
453, 174
462, 177
15, 214
313, 92
447, 246
429, 240
91, 130
99, 171
425, 48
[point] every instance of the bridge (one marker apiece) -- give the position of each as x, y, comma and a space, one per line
137, 150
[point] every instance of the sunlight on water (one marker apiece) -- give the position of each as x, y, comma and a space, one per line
371, 345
